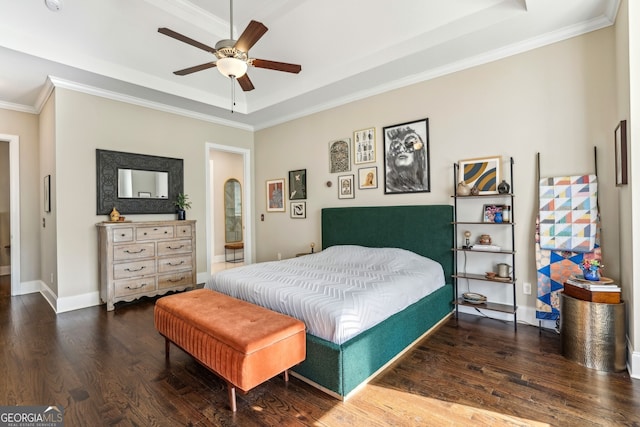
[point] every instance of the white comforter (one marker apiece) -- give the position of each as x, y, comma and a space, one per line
338, 292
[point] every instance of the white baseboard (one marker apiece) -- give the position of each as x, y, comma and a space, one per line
633, 362
77, 302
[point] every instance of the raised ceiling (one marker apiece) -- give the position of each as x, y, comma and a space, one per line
348, 49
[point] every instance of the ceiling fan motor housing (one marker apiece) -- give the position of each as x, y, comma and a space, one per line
226, 49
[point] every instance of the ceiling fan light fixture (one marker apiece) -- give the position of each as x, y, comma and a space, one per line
232, 67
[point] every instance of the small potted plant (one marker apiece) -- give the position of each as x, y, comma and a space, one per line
182, 203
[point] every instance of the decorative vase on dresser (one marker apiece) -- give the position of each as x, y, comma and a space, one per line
145, 258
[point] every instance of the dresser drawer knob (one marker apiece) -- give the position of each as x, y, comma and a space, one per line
175, 249
135, 252
134, 270
176, 280
173, 265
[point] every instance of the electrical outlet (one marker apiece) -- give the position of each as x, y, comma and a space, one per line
526, 288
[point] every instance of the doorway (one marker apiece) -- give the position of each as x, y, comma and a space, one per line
10, 214
215, 201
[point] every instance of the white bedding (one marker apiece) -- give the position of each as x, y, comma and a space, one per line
338, 292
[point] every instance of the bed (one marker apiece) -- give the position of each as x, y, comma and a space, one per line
340, 363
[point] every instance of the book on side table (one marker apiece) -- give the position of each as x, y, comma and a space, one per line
603, 291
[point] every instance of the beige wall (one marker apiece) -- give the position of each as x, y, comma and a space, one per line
25, 126
558, 100
84, 123
48, 235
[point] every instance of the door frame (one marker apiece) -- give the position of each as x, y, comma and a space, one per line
247, 197
14, 215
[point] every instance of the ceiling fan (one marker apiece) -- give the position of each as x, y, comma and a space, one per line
233, 55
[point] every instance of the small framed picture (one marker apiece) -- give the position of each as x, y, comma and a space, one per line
47, 193
492, 213
483, 173
298, 184
345, 187
368, 178
364, 146
620, 138
275, 195
298, 209
340, 155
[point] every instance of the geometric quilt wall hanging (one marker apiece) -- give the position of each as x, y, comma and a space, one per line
568, 213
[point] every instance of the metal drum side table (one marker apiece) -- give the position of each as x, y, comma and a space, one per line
593, 334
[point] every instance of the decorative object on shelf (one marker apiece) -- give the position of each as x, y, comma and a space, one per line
620, 137
406, 158
467, 241
364, 146
483, 173
298, 184
474, 190
182, 203
591, 269
489, 213
463, 189
299, 210
484, 239
504, 270
275, 195
506, 213
474, 298
114, 215
497, 218
503, 187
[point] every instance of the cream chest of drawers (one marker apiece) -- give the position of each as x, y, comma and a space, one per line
145, 258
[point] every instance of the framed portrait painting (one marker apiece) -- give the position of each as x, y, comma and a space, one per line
483, 173
406, 158
364, 146
345, 187
620, 138
340, 155
275, 195
298, 184
368, 178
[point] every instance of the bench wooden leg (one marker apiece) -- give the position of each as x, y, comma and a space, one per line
232, 396
286, 376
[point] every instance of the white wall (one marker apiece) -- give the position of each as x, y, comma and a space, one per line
558, 100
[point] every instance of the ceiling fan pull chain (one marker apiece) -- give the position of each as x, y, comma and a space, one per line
233, 93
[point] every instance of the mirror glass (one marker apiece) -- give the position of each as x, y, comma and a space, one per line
142, 184
232, 211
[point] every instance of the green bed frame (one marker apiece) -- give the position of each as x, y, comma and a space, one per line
426, 230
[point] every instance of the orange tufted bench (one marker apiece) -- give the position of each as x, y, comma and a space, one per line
241, 342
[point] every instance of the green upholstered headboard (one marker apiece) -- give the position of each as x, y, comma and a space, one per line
426, 230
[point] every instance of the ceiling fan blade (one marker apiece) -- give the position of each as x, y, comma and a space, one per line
245, 83
194, 69
185, 39
278, 66
254, 31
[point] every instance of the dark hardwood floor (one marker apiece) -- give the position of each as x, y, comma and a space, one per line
109, 369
